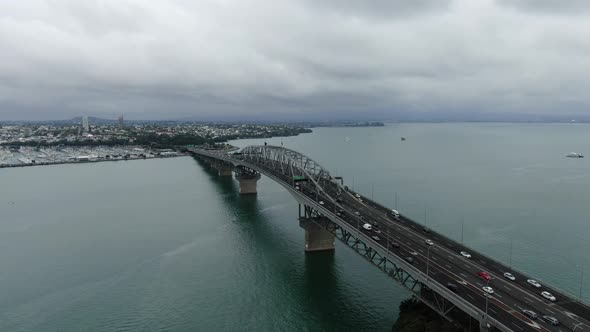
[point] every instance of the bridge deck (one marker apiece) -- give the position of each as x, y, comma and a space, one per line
402, 237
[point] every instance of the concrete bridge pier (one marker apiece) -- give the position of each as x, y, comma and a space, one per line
316, 237
248, 183
224, 169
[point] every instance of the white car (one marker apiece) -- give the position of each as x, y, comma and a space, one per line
414, 253
429, 242
321, 202
509, 276
357, 196
357, 213
534, 283
367, 227
488, 289
548, 296
395, 213
465, 254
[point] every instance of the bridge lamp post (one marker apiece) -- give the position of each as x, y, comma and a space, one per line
487, 299
428, 264
581, 269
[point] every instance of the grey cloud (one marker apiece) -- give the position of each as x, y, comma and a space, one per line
286, 59
382, 9
549, 6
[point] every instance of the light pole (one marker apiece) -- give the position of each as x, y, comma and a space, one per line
462, 226
372, 190
395, 200
510, 257
428, 263
487, 298
581, 279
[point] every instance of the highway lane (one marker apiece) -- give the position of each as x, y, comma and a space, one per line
497, 309
563, 304
503, 306
536, 303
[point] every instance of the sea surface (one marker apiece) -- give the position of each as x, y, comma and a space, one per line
166, 245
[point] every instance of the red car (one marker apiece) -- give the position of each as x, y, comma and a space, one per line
484, 275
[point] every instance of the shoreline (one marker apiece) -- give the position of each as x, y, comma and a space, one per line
63, 162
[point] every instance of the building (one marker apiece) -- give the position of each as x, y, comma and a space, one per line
121, 120
85, 125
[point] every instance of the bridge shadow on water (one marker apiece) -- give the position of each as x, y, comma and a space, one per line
320, 297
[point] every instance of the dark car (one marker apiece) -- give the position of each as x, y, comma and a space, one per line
551, 320
409, 259
529, 313
426, 230
395, 244
453, 287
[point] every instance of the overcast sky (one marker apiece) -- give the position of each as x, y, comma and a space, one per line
295, 59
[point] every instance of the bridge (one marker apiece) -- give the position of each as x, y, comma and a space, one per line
428, 264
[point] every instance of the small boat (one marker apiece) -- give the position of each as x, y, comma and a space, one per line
403, 138
575, 155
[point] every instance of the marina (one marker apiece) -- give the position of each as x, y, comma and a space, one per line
31, 156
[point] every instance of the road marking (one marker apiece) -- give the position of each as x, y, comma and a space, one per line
534, 325
436, 259
463, 274
434, 248
549, 311
482, 261
471, 297
397, 237
480, 285
519, 307
448, 266
492, 310
517, 326
408, 243
498, 295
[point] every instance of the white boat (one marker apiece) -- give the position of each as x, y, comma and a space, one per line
575, 155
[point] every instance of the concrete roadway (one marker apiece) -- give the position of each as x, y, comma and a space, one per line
509, 297
445, 264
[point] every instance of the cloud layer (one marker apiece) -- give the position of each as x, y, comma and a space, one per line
292, 59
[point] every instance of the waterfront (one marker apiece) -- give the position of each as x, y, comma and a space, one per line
166, 245
29, 156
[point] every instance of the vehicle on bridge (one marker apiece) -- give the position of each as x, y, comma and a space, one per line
367, 227
533, 283
530, 314
488, 289
395, 213
551, 320
484, 275
465, 254
509, 276
548, 296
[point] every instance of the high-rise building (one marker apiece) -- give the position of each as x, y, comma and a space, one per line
120, 120
85, 125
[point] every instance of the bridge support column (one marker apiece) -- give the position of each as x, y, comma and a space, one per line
316, 237
248, 183
224, 170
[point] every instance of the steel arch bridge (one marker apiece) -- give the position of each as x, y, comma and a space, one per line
331, 211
